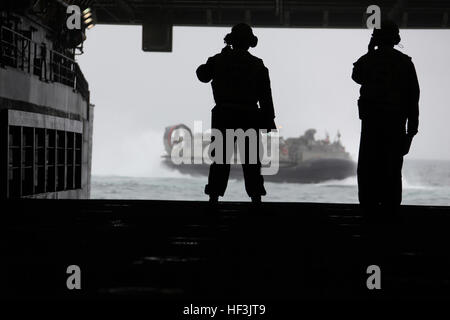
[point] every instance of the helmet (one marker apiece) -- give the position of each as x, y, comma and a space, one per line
241, 35
388, 34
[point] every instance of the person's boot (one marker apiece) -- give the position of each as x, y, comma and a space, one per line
213, 204
213, 199
256, 199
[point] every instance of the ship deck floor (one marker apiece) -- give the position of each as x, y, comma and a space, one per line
184, 250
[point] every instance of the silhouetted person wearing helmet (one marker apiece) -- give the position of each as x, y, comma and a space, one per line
389, 112
239, 81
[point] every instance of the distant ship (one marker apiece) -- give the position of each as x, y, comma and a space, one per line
301, 160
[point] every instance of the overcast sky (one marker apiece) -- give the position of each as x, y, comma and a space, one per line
137, 94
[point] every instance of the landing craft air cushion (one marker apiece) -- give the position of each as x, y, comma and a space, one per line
301, 160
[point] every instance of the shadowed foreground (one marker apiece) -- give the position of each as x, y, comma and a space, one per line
177, 250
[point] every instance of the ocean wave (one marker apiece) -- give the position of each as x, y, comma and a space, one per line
347, 182
415, 186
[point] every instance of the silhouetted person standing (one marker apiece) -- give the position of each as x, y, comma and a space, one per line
239, 81
389, 113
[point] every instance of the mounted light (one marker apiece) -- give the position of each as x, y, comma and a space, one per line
88, 18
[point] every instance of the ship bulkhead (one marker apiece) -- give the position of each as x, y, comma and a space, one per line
46, 116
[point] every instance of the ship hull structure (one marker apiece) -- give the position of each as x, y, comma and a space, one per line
46, 118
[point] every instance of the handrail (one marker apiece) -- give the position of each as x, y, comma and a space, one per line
21, 52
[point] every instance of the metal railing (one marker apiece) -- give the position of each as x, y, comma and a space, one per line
20, 52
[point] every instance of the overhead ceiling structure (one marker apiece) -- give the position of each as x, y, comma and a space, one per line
159, 16
273, 13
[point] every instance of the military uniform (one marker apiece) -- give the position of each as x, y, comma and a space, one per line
389, 113
239, 81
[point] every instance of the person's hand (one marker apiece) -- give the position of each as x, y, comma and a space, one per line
407, 144
225, 49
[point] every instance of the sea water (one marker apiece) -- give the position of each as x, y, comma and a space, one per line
425, 182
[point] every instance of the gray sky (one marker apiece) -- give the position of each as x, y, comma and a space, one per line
138, 94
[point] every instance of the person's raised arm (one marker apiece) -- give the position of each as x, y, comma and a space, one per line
358, 73
205, 71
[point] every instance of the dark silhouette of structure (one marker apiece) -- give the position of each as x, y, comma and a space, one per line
181, 253
239, 81
389, 111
